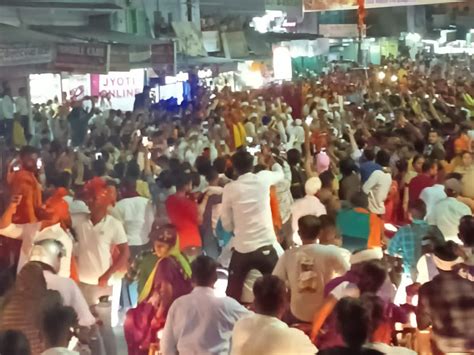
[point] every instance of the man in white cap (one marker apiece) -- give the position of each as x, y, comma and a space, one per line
308, 205
447, 304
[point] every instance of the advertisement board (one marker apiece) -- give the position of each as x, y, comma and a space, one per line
122, 87
328, 5
85, 58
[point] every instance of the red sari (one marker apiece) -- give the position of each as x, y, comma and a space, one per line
141, 323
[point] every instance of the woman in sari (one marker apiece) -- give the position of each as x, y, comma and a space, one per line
170, 279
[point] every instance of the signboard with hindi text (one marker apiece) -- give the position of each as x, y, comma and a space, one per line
328, 5
25, 54
83, 58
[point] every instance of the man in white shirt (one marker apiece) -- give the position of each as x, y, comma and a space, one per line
137, 215
447, 213
7, 109
97, 234
264, 332
378, 185
23, 110
308, 205
307, 269
246, 211
200, 322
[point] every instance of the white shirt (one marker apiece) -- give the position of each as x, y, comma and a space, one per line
431, 196
259, 334
95, 243
137, 215
8, 108
59, 351
22, 106
246, 209
201, 323
377, 187
30, 233
308, 205
446, 215
306, 270
71, 295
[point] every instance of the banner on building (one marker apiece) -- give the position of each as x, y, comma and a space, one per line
163, 58
190, 39
120, 87
85, 58
25, 54
328, 5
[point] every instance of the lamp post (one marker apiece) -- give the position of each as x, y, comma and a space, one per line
360, 26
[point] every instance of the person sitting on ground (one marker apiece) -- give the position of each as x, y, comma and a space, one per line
307, 269
201, 322
58, 325
274, 336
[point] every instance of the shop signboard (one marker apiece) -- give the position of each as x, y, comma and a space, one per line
119, 57
85, 58
327, 5
25, 54
163, 58
339, 30
121, 86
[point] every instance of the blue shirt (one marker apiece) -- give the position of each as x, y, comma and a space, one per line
366, 169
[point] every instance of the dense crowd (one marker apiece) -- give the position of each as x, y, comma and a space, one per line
336, 211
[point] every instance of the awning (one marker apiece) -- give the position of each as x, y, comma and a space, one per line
11, 34
91, 34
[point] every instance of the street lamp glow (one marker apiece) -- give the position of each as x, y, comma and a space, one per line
381, 75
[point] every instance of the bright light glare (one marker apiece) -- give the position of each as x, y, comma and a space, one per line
262, 24
282, 63
381, 75
394, 78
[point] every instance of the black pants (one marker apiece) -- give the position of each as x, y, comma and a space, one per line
262, 259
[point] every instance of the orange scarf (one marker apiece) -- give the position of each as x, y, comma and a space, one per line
375, 228
24, 183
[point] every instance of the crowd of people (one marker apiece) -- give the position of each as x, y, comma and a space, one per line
336, 211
